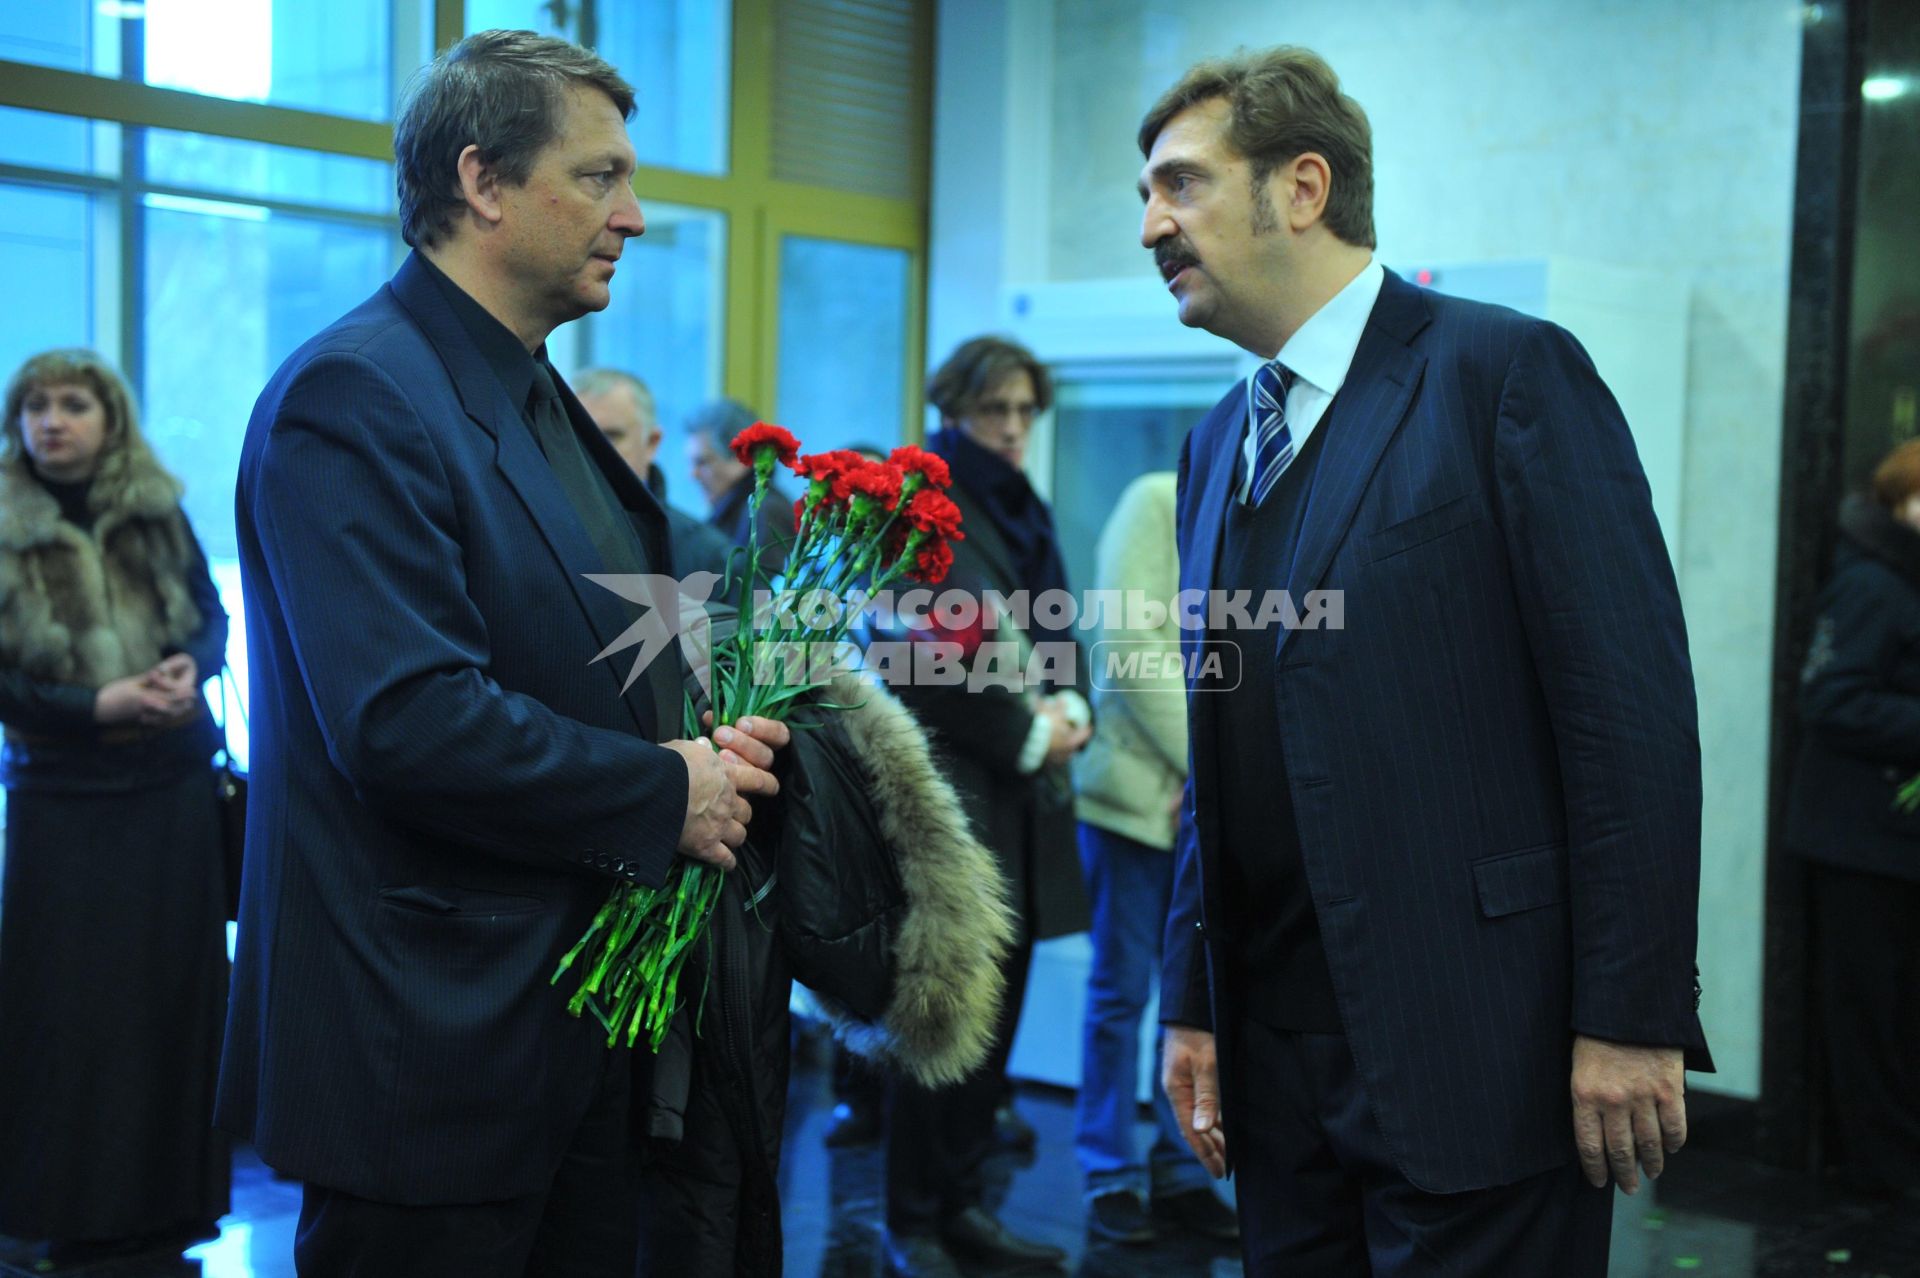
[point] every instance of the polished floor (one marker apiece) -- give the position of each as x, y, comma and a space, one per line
1711, 1215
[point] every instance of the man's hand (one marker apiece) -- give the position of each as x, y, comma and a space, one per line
1629, 1103
717, 812
716, 821
1190, 1073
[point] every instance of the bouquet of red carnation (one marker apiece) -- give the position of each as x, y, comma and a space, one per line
862, 525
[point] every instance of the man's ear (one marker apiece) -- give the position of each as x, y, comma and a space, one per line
1310, 180
479, 185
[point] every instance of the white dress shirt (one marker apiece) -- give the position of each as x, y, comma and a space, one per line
1319, 354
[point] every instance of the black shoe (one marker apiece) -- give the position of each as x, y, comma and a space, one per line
1198, 1211
1119, 1217
853, 1124
918, 1256
1012, 1132
977, 1238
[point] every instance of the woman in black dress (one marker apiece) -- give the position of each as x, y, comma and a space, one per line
112, 916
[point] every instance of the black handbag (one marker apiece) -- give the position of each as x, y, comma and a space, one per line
230, 787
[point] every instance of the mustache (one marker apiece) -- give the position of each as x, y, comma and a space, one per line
1173, 256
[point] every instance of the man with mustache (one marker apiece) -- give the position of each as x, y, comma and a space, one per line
1429, 965
447, 782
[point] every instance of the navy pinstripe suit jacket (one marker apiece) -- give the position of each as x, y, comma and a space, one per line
1494, 764
443, 787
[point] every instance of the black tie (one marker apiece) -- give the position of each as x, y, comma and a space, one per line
607, 523
587, 490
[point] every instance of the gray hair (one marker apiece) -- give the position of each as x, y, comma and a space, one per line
501, 91
719, 421
598, 381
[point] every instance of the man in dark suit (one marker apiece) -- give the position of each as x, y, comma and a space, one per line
446, 782
1440, 865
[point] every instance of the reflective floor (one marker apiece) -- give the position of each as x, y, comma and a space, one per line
1711, 1214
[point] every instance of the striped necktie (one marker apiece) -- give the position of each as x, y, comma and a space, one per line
1273, 442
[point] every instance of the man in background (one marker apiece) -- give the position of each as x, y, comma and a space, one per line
728, 482
622, 406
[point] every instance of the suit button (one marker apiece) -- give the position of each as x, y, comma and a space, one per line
619, 865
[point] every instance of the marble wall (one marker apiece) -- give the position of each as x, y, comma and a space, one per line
1632, 132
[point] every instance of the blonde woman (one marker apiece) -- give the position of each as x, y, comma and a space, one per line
112, 937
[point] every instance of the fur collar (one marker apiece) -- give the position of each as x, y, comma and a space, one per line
86, 607
29, 516
939, 1023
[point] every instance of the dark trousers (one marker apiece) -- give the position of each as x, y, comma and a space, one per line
1319, 1193
586, 1224
1867, 959
938, 1137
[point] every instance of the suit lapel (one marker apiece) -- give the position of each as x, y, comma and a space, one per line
520, 463
1358, 426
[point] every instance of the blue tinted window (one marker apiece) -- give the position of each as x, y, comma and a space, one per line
843, 341
46, 255
664, 327
325, 55
265, 172
65, 143
55, 34
264, 283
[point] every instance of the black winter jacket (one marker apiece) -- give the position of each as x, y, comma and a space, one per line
1860, 703
876, 896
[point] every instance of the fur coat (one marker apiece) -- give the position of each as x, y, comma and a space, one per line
85, 608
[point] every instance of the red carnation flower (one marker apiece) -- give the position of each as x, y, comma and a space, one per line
749, 443
933, 563
934, 512
830, 465
878, 481
918, 461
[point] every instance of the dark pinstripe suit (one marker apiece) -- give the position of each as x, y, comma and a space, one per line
443, 787
1494, 765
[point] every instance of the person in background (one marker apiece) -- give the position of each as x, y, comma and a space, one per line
1006, 750
1128, 784
622, 407
113, 964
1860, 711
728, 482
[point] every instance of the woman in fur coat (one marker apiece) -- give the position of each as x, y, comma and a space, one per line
112, 935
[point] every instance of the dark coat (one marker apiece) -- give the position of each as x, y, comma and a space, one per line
445, 782
885, 906
1026, 818
730, 514
1494, 762
1860, 703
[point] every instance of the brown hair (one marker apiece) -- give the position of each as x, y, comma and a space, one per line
1897, 477
502, 91
1284, 102
124, 447
977, 367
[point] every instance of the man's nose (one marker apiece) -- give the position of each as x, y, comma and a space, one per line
628, 219
1155, 225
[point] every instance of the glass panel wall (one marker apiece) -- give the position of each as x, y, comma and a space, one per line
665, 326
843, 324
